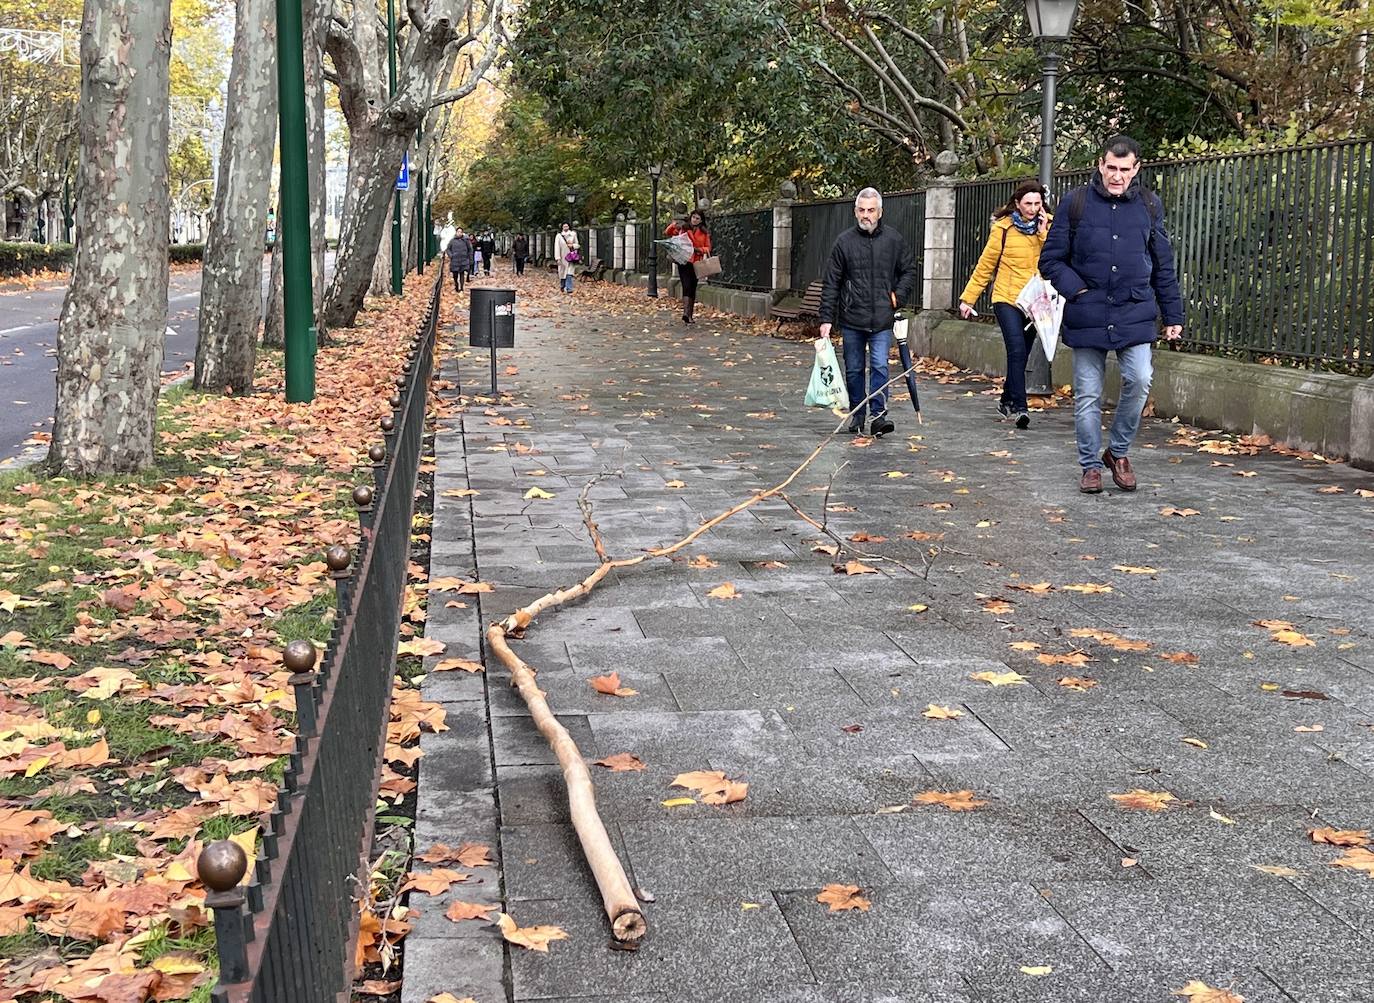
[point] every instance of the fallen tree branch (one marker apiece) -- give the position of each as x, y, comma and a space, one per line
617, 897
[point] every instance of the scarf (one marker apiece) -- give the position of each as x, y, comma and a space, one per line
1027, 226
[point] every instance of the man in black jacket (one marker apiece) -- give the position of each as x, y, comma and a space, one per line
488, 246
869, 275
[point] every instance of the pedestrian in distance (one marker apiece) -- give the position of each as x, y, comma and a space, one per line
520, 251
869, 275
1110, 257
459, 258
567, 253
695, 229
488, 249
1009, 260
476, 258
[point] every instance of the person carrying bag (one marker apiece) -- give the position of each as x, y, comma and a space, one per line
695, 230
1010, 259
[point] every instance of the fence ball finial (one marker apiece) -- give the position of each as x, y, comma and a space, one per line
388, 424
222, 865
338, 558
299, 656
946, 163
788, 189
362, 496
376, 452
394, 401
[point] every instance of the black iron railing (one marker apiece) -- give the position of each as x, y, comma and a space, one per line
815, 225
605, 245
744, 243
285, 935
644, 237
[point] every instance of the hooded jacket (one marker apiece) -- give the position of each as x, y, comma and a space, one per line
864, 270
1121, 260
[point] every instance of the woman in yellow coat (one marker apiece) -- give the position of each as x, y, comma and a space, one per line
1010, 258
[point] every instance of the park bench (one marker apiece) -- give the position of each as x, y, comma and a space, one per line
808, 310
595, 268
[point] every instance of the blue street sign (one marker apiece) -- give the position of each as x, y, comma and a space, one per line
403, 179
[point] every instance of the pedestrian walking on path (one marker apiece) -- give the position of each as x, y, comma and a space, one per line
488, 249
870, 274
1109, 255
696, 232
459, 259
1009, 260
520, 250
568, 254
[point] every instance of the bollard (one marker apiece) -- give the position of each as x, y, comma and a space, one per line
221, 866
299, 657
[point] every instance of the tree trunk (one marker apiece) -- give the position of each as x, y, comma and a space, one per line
231, 288
274, 322
110, 336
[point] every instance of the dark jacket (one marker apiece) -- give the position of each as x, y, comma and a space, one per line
521, 247
1120, 255
459, 255
488, 245
865, 269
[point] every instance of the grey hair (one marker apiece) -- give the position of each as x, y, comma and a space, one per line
869, 193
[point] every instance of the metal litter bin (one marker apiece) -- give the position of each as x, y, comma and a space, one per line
492, 318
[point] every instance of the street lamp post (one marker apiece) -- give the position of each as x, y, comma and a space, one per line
655, 172
396, 265
298, 310
1051, 22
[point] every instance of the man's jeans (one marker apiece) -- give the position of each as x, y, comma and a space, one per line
871, 347
1089, 370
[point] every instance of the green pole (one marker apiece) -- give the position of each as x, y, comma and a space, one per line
294, 226
419, 202
68, 222
396, 265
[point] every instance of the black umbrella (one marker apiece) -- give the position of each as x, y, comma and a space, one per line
904, 350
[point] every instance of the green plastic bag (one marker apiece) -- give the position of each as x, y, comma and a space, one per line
826, 388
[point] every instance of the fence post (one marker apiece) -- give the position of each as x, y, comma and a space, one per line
937, 292
1362, 425
618, 251
592, 249
782, 237
632, 245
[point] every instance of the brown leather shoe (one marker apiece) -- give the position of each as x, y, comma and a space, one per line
1121, 470
1091, 482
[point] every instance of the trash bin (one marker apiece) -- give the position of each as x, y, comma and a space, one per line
491, 322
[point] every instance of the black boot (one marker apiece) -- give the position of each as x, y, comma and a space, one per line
688, 304
882, 425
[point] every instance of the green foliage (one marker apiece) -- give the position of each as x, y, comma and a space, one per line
23, 258
181, 253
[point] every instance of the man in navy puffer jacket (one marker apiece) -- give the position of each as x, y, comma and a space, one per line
1108, 254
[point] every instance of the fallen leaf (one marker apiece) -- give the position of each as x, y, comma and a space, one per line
702, 561
1133, 570
1023, 646
468, 855
1036, 969
1009, 678
1076, 658
536, 938
953, 800
610, 685
1076, 683
1179, 657
459, 911
1331, 489
433, 882
841, 898
1292, 638
420, 646
459, 493
1276, 870
1088, 588
856, 568
1201, 992
714, 786
679, 802
1340, 837
726, 591
675, 484
1181, 512
376, 987
621, 762
451, 664
1144, 800
530, 495
939, 713
1217, 816
1195, 742
1359, 859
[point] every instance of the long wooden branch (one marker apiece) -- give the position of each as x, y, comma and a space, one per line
622, 908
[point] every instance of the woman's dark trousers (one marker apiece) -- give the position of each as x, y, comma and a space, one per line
1013, 324
688, 274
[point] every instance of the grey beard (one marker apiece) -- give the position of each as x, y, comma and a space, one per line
868, 227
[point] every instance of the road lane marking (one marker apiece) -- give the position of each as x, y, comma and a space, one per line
16, 330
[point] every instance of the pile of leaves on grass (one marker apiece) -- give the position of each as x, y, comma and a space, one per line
145, 709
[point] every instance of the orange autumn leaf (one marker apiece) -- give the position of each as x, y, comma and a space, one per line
1180, 657
953, 800
1075, 658
856, 568
938, 713
468, 855
842, 898
453, 664
420, 646
714, 786
725, 591
1201, 992
610, 685
459, 911
1078, 684
1359, 859
1340, 837
535, 938
1181, 512
1144, 800
621, 762
702, 561
433, 882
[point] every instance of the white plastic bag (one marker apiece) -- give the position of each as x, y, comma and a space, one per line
1042, 303
826, 388
679, 248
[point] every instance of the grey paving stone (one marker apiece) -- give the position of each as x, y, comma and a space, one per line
748, 856
950, 990
993, 843
1250, 775
685, 654
874, 732
433, 966
1121, 987
1323, 985
519, 743
688, 937
1043, 780
936, 928
1208, 921
571, 693
757, 736
546, 862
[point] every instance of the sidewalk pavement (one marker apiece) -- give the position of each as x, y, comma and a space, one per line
811, 686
